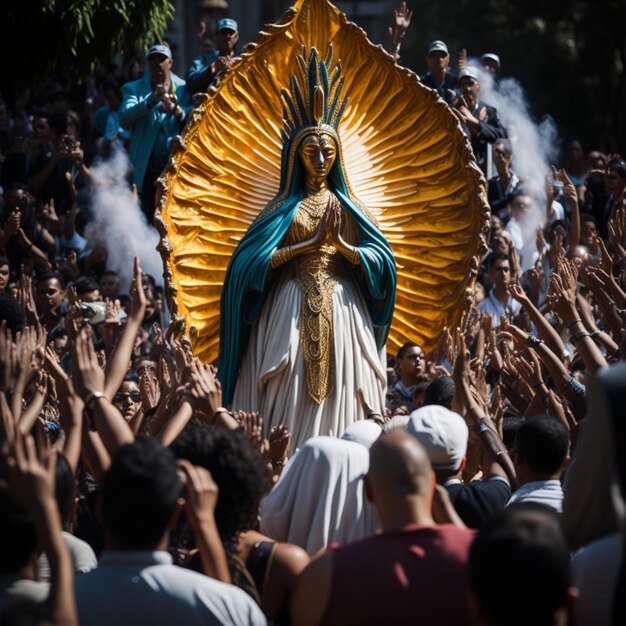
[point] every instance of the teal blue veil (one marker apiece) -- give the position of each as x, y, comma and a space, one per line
246, 283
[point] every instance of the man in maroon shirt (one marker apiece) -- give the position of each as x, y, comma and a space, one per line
413, 572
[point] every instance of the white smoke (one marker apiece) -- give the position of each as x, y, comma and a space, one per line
119, 223
535, 144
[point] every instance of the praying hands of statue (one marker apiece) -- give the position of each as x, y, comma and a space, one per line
280, 256
334, 226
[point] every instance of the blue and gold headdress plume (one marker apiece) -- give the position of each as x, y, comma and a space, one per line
318, 103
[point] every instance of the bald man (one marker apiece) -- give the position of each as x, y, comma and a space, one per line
414, 571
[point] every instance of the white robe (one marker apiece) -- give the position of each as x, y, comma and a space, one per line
319, 498
272, 378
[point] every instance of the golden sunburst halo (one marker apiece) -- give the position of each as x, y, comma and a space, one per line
405, 155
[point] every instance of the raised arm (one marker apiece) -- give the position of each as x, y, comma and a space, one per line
31, 487
201, 500
544, 328
402, 22
117, 364
88, 378
562, 300
500, 463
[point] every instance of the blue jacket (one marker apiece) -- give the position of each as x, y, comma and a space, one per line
145, 123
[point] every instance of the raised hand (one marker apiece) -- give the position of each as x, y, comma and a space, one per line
137, 293
87, 375
252, 423
279, 445
517, 293
203, 388
149, 389
202, 493
569, 190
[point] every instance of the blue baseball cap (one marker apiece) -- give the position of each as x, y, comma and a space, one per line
226, 22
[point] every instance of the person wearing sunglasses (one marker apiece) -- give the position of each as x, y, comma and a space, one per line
128, 400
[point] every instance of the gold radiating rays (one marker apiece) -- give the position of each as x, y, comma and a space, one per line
405, 156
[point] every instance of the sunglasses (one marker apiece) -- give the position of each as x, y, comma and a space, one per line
119, 397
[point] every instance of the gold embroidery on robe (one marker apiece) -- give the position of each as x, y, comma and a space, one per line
316, 276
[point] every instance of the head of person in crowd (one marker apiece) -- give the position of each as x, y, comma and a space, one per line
479, 292
4, 275
43, 132
499, 270
575, 160
440, 392
437, 57
63, 124
110, 284
582, 253
160, 64
419, 392
444, 435
469, 86
502, 156
558, 235
497, 226
19, 207
596, 160
365, 432
616, 177
410, 363
111, 94
541, 449
399, 481
59, 341
88, 289
152, 296
519, 570
588, 231
319, 498
11, 312
240, 473
227, 36
521, 206
207, 45
490, 62
139, 495
50, 292
510, 426
128, 398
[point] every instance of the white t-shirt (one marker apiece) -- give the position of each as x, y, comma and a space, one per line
146, 589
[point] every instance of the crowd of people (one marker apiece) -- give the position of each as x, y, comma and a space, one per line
488, 490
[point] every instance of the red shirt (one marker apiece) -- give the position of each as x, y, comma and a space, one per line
412, 576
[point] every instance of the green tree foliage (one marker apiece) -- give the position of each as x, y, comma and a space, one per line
569, 55
71, 37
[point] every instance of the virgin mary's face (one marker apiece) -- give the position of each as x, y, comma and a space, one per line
317, 154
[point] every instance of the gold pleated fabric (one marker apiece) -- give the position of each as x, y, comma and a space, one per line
405, 156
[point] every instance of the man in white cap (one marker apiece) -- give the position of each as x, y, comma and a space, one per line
208, 67
153, 109
444, 435
491, 62
439, 76
480, 121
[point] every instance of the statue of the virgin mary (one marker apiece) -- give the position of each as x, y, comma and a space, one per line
314, 212
308, 297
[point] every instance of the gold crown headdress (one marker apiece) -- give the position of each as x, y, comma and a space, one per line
318, 103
